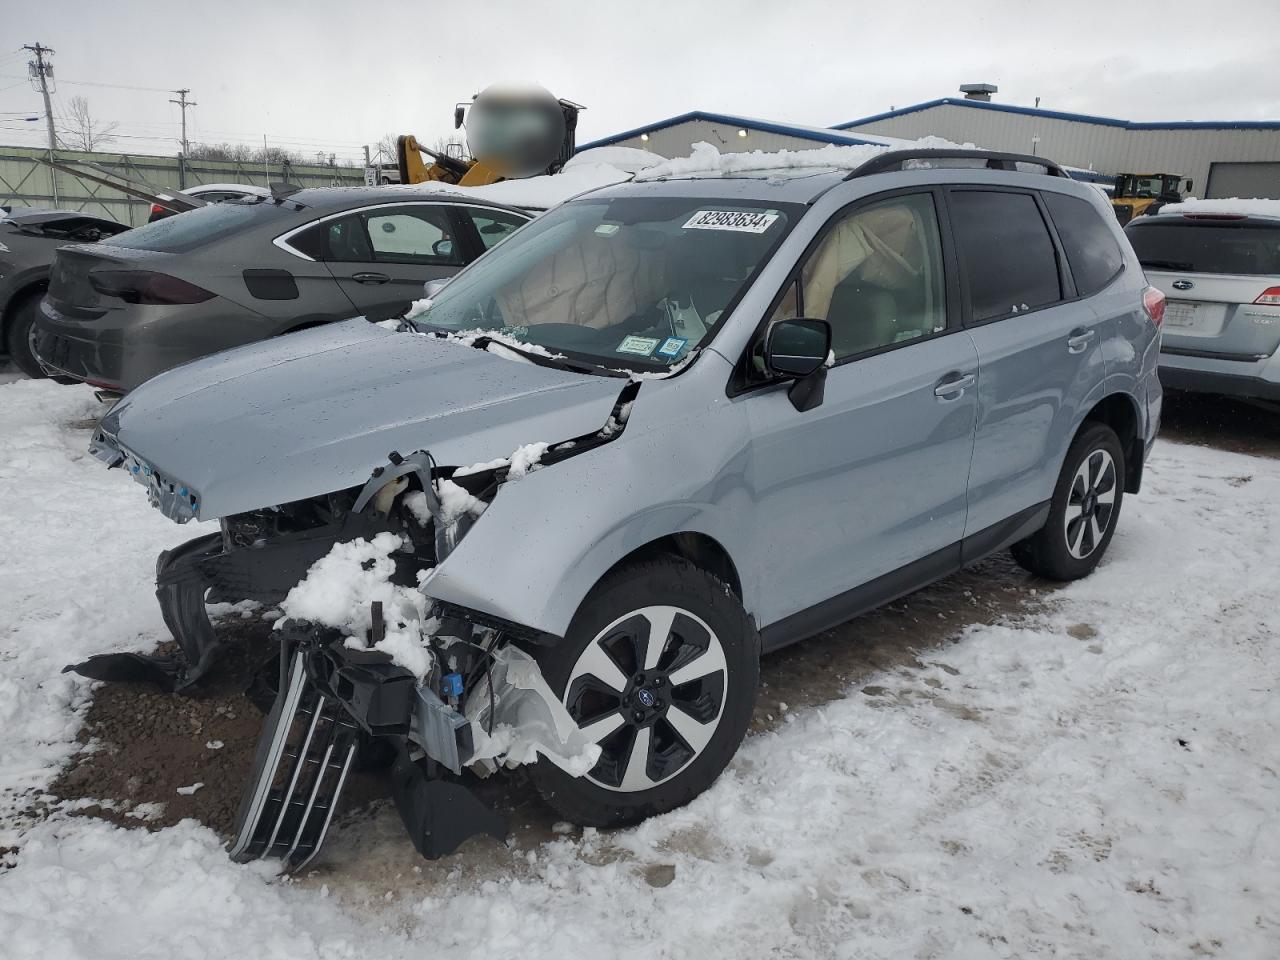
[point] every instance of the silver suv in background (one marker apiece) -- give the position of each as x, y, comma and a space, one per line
1218, 263
669, 426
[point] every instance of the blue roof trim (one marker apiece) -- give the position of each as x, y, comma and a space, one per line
765, 126
1077, 117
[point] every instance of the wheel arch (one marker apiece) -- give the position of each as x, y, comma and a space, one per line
1120, 412
29, 286
700, 549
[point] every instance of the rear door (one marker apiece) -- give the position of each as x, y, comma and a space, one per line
382, 255
1039, 353
1220, 275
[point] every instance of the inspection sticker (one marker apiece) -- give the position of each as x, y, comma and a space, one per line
672, 346
739, 220
640, 346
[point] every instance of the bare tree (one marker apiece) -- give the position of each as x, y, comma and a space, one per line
79, 129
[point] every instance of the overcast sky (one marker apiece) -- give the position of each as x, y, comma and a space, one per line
329, 75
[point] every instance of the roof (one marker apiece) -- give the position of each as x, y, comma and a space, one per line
733, 187
1076, 117
817, 134
1233, 207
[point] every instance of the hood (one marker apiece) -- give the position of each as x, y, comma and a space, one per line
314, 412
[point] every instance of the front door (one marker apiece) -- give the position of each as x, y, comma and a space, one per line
874, 478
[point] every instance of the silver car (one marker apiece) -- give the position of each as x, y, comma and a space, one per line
1218, 262
667, 428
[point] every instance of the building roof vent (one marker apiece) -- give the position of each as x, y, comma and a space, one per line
978, 91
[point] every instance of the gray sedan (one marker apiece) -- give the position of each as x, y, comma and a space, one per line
231, 273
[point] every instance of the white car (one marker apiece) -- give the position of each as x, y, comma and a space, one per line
210, 193
1218, 263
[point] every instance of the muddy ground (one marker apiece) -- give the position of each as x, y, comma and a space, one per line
141, 745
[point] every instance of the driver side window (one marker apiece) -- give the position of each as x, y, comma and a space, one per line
876, 277
418, 234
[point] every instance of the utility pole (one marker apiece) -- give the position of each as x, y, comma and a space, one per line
42, 70
183, 102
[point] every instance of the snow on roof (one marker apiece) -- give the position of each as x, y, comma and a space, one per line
1232, 207
583, 173
706, 159
819, 134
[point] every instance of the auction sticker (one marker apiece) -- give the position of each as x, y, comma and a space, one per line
738, 220
640, 346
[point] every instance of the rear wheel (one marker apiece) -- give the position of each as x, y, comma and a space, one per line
660, 667
1084, 510
18, 334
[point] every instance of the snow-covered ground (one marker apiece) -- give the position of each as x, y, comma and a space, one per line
1099, 777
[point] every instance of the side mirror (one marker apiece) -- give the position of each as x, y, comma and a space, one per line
431, 289
442, 248
797, 347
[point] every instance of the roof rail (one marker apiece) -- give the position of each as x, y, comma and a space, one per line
898, 160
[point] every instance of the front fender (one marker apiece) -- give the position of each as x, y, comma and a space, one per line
549, 537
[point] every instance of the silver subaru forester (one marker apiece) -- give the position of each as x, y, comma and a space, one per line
668, 427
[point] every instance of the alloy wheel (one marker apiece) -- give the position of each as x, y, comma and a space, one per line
1091, 502
649, 689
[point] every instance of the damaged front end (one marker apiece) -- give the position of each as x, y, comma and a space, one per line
470, 698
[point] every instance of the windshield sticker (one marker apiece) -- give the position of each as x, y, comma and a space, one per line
737, 220
640, 346
671, 347
606, 229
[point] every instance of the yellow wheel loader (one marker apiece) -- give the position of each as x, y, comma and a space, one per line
510, 133
1139, 193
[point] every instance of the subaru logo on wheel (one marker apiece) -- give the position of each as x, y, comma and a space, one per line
1182, 284
645, 698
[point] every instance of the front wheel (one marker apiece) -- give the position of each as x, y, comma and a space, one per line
1084, 510
660, 668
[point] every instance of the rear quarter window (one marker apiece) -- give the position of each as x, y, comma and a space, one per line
195, 228
1242, 248
1092, 252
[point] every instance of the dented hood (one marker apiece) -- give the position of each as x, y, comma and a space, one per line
314, 412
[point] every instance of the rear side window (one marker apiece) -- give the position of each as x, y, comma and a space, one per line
1206, 246
195, 228
1092, 252
1006, 251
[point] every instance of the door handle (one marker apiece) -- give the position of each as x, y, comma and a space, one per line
952, 388
1079, 340
370, 277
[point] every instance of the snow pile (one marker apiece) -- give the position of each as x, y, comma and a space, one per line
1233, 207
582, 174
338, 592
707, 159
77, 576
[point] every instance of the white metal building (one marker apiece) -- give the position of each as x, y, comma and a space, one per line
1223, 158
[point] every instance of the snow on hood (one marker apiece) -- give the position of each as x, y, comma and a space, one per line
316, 411
707, 159
1233, 207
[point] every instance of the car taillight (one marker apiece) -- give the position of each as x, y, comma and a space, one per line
1153, 304
143, 286
156, 208
1269, 297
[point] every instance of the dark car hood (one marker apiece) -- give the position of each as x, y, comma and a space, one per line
316, 411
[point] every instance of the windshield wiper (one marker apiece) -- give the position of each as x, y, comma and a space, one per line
482, 342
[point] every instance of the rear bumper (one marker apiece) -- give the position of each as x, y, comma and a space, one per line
1249, 379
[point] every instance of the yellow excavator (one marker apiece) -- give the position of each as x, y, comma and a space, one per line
510, 135
1139, 193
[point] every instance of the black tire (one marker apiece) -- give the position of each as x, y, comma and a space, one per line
18, 334
1068, 549
675, 583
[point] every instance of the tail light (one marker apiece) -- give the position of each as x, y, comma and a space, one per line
143, 286
1269, 297
156, 208
1153, 304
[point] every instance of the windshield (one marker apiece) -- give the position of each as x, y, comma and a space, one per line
1206, 246
194, 228
634, 283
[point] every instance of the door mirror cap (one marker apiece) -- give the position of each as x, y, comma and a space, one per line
431, 289
797, 347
